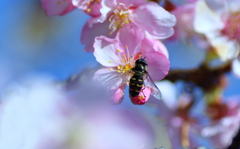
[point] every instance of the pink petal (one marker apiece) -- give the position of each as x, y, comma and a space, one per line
152, 45
142, 98
109, 79
106, 51
93, 6
130, 36
156, 20
57, 7
133, 3
88, 34
95, 10
158, 65
118, 96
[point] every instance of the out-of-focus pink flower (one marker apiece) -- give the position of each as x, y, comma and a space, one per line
151, 18
32, 113
173, 110
184, 26
222, 130
219, 21
37, 114
119, 56
57, 7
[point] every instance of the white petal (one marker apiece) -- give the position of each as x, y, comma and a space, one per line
226, 49
106, 51
206, 20
236, 67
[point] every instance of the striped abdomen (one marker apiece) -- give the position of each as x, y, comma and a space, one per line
136, 84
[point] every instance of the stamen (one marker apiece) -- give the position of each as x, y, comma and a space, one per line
121, 15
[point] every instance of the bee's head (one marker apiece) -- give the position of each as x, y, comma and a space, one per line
141, 61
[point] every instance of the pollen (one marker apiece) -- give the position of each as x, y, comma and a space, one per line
141, 97
121, 15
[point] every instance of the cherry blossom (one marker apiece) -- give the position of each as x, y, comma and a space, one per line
181, 127
37, 114
119, 56
151, 18
57, 7
184, 26
219, 21
222, 130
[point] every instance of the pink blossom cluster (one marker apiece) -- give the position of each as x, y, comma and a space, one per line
118, 33
213, 25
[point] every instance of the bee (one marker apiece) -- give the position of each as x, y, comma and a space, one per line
142, 79
137, 78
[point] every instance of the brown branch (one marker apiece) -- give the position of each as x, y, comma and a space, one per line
205, 77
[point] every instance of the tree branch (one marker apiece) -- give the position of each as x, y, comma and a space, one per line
205, 77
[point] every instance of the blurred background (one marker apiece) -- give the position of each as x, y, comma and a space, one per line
33, 44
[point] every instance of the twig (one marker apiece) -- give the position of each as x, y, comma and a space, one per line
205, 77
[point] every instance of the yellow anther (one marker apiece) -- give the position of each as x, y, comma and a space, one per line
124, 55
110, 61
88, 3
88, 10
111, 69
118, 71
118, 50
118, 67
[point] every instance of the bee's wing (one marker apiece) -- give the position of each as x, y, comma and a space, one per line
111, 80
148, 82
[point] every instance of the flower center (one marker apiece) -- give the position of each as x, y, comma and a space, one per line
121, 15
232, 27
126, 62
